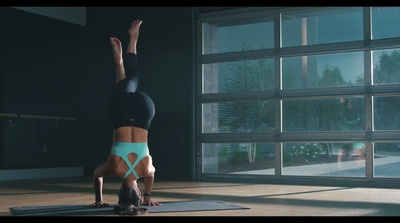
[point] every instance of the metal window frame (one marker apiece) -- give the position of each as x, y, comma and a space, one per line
367, 45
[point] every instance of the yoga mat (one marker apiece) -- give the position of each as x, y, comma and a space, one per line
79, 210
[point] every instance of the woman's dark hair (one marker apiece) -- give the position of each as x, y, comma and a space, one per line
129, 202
129, 196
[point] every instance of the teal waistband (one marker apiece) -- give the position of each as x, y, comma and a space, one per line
122, 149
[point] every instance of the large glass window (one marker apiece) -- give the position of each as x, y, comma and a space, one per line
387, 160
238, 117
338, 114
322, 26
239, 158
387, 113
320, 71
386, 66
238, 76
324, 159
310, 91
385, 22
239, 35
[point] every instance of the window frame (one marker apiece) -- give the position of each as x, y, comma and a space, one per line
367, 91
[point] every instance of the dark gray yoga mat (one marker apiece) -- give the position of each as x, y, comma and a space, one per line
80, 210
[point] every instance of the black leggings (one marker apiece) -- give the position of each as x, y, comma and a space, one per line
130, 83
129, 107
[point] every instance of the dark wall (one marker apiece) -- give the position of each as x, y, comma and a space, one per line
38, 76
50, 67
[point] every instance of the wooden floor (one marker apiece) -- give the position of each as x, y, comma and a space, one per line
262, 199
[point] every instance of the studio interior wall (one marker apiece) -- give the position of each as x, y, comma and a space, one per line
51, 67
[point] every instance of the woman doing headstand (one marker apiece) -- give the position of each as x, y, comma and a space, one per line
131, 112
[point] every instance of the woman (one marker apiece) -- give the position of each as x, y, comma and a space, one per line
131, 113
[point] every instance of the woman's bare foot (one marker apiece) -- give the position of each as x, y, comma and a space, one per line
117, 49
134, 30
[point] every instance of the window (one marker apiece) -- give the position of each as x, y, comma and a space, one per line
385, 22
239, 35
386, 66
239, 158
324, 159
323, 115
387, 160
238, 76
238, 117
387, 113
321, 71
322, 26
299, 92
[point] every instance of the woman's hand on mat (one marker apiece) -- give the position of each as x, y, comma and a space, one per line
150, 203
99, 205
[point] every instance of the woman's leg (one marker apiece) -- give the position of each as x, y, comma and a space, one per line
119, 62
130, 83
133, 36
130, 68
130, 58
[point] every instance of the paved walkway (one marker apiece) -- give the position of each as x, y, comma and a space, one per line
388, 166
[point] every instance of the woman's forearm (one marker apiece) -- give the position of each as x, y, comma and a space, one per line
148, 187
98, 188
98, 183
148, 184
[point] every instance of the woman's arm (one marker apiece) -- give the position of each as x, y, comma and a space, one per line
103, 170
148, 187
98, 188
